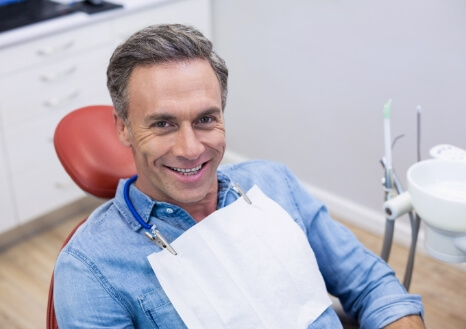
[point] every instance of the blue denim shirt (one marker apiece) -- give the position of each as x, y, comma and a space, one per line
104, 280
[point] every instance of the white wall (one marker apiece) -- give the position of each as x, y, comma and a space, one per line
309, 78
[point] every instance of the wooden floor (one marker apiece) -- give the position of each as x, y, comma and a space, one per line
25, 271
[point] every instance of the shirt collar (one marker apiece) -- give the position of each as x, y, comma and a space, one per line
141, 202
146, 206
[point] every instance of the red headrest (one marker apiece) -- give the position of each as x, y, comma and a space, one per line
88, 147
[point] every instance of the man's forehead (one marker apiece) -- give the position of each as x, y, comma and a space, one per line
169, 64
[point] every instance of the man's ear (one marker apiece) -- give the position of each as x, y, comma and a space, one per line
122, 130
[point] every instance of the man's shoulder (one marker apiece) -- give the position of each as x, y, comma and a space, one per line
93, 227
254, 166
264, 173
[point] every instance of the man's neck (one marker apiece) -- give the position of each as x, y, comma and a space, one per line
205, 207
202, 210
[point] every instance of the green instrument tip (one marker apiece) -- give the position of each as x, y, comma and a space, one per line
386, 109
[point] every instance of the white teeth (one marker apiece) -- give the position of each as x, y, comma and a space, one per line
189, 171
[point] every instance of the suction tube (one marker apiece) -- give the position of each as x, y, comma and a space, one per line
401, 204
414, 219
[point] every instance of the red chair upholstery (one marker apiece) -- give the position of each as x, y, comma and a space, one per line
88, 147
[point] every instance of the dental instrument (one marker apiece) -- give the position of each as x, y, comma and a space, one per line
387, 135
393, 189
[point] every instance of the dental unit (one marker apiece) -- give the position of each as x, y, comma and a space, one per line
436, 194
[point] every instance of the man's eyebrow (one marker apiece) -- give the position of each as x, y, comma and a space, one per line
159, 117
170, 117
210, 111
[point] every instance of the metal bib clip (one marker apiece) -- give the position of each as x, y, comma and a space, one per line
159, 240
240, 191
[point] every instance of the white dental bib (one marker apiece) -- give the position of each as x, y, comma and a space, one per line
244, 266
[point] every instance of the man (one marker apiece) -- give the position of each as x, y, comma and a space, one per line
169, 91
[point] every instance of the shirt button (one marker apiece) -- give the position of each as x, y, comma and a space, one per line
169, 211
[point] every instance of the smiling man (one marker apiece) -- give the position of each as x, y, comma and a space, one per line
222, 258
176, 131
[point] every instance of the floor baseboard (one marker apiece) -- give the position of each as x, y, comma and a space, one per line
45, 222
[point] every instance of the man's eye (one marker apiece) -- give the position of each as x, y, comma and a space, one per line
161, 124
205, 120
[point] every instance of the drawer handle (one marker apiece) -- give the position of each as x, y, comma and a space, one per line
54, 76
56, 101
48, 51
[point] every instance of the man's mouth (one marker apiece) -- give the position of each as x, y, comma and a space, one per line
187, 171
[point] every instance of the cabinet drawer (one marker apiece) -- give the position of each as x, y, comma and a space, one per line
52, 48
43, 189
7, 219
38, 105
61, 72
31, 143
78, 88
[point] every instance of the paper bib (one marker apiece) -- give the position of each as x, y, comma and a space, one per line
244, 266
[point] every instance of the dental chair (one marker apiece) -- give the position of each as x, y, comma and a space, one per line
88, 147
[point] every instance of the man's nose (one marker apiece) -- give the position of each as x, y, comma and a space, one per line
187, 143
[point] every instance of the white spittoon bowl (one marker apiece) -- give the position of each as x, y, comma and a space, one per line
438, 195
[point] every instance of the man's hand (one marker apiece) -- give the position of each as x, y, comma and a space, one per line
407, 322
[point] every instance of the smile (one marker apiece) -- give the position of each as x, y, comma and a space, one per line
187, 171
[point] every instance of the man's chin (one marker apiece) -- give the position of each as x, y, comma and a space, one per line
189, 200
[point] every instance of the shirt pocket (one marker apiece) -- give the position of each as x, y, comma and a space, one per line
160, 311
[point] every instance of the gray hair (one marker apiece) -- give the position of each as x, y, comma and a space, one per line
159, 44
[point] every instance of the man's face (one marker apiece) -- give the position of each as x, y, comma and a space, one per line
176, 130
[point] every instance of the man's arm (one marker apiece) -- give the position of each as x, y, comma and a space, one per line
366, 286
407, 322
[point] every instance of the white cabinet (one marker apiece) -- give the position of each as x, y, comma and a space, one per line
46, 79
42, 80
7, 216
53, 85
53, 47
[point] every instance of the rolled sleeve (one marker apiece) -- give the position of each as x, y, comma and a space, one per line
388, 309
